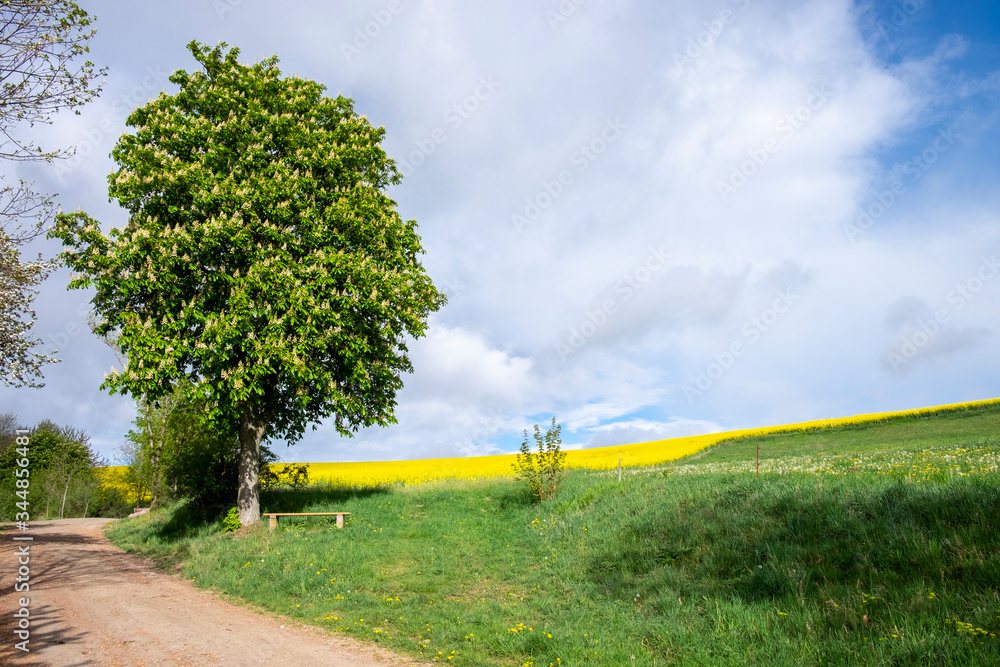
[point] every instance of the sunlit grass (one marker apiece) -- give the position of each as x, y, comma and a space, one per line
937, 464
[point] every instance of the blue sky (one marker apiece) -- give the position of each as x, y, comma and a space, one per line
651, 219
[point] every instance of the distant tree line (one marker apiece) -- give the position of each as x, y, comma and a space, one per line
65, 477
173, 452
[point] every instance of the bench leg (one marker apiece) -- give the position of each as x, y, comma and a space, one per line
272, 522
340, 521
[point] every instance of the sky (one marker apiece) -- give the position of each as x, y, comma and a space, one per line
651, 219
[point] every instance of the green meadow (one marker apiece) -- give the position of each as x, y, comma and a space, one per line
866, 545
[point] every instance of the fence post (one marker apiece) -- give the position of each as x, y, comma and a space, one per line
619, 471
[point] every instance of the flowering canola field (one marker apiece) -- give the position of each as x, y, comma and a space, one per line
601, 458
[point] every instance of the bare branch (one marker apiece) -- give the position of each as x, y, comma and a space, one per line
41, 45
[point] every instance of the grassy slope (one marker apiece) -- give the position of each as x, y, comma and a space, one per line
960, 427
707, 569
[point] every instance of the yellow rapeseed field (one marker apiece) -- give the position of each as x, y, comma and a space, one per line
602, 458
115, 477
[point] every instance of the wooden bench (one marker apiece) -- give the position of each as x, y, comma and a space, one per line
273, 517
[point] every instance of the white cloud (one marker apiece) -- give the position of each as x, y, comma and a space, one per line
837, 120
642, 430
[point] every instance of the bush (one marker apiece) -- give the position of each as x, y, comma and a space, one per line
112, 503
232, 521
295, 477
542, 472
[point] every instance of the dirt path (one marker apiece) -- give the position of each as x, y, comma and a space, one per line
92, 604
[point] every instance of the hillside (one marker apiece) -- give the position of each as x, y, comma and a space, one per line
872, 544
950, 426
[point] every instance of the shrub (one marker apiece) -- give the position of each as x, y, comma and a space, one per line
295, 477
232, 520
542, 472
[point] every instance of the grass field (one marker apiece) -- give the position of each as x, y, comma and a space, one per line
900, 431
875, 545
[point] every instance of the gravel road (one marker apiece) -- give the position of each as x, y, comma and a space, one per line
92, 604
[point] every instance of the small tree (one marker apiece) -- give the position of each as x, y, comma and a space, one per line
88, 490
188, 455
137, 476
63, 473
49, 483
58, 455
156, 417
542, 472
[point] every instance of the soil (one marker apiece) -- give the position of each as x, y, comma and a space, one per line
93, 604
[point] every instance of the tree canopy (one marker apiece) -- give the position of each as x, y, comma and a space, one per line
262, 259
41, 42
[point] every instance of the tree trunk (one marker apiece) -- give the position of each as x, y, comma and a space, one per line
248, 498
154, 463
155, 446
69, 480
